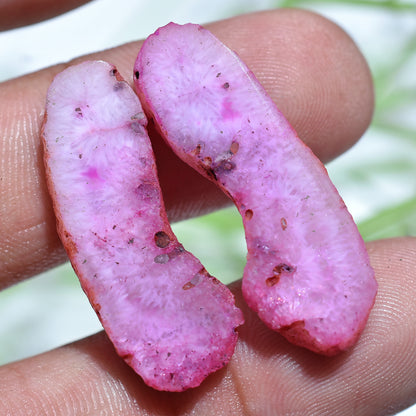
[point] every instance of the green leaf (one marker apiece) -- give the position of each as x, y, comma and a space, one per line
396, 221
406, 6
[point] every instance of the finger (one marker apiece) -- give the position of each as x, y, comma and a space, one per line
310, 67
375, 377
266, 375
88, 378
16, 13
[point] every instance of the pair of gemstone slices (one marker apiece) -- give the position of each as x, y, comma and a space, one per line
307, 274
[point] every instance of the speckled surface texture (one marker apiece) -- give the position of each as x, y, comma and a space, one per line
166, 316
307, 274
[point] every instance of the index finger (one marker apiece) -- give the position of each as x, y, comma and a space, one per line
309, 66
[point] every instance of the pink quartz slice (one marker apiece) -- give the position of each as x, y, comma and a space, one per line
307, 274
166, 316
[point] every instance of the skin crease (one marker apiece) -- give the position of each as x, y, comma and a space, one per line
267, 376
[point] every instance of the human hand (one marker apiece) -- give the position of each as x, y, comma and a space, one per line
321, 83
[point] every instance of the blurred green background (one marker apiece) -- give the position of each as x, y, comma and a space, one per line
376, 178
